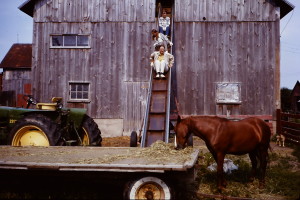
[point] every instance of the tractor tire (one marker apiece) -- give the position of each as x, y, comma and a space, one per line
35, 130
133, 139
90, 133
149, 188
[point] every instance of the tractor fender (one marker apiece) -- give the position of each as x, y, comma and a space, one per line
76, 115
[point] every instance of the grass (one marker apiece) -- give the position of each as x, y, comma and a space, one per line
282, 178
296, 152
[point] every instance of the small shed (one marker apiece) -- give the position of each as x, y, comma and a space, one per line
16, 78
295, 98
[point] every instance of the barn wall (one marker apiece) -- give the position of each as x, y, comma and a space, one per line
230, 41
225, 10
237, 42
18, 81
116, 65
94, 11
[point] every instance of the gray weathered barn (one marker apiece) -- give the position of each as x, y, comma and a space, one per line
95, 54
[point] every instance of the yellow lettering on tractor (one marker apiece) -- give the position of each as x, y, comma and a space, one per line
12, 121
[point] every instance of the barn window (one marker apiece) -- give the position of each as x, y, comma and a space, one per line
70, 41
79, 91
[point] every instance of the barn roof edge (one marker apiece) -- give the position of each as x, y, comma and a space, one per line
285, 7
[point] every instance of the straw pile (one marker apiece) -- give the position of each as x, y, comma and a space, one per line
158, 152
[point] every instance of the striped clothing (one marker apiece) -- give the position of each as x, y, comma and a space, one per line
162, 40
164, 22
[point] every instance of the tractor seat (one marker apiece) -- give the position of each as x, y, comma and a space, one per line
49, 106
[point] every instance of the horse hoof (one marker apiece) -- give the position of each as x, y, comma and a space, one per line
221, 188
251, 179
261, 186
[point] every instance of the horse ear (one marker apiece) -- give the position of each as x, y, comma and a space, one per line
178, 118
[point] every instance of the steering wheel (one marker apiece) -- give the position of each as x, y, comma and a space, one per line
30, 100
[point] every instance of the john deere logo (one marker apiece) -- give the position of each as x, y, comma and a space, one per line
12, 121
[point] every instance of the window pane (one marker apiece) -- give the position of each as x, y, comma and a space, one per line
73, 95
79, 95
73, 87
82, 40
85, 87
69, 40
57, 40
85, 95
79, 87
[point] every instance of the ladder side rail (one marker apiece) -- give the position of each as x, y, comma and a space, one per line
158, 14
172, 27
167, 129
145, 124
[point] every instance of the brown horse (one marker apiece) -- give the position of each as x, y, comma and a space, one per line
222, 136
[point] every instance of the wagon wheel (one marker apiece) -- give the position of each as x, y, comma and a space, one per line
133, 139
149, 188
90, 133
35, 130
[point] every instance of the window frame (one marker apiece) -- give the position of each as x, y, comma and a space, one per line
70, 47
76, 100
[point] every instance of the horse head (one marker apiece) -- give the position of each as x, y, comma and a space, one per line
182, 133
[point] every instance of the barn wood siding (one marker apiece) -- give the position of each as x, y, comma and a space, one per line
216, 41
95, 11
115, 57
15, 80
135, 99
224, 10
116, 63
237, 42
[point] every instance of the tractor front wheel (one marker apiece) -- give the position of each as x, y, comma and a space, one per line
35, 130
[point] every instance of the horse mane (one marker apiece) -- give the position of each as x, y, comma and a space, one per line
220, 119
188, 121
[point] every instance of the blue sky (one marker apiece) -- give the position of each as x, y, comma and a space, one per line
16, 27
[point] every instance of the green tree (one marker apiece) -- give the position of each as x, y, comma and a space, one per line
285, 96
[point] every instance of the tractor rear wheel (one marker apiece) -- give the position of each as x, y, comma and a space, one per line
90, 133
35, 130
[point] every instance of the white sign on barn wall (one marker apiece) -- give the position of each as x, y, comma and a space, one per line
228, 93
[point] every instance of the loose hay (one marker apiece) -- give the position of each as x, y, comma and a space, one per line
158, 152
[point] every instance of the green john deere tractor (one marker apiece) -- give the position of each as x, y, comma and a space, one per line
48, 125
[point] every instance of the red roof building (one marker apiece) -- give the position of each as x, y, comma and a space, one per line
19, 56
16, 77
295, 98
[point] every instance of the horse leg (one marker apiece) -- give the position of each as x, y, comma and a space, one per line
252, 156
263, 166
220, 173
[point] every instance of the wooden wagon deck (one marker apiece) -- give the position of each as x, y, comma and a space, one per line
118, 159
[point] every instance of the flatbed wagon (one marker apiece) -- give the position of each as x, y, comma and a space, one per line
145, 173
